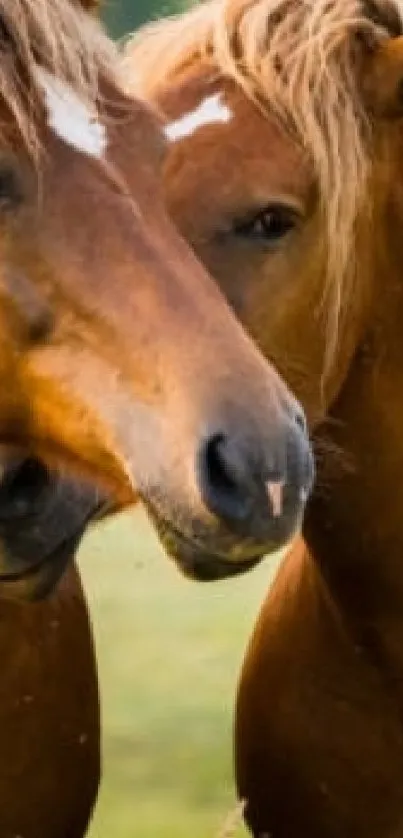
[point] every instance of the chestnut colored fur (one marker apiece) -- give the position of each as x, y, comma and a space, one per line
319, 730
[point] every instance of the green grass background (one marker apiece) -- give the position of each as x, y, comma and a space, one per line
169, 652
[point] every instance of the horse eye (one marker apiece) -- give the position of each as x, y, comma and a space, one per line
271, 224
10, 189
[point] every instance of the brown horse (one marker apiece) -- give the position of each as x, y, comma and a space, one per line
60, 339
285, 174
99, 365
49, 707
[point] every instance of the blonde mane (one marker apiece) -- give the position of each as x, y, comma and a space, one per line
61, 37
299, 59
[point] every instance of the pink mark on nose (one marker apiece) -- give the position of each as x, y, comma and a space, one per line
275, 492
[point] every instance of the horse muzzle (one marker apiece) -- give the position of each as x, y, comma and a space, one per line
43, 517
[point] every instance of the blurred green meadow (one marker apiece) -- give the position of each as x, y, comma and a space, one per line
169, 651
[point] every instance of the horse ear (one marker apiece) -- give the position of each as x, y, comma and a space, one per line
383, 79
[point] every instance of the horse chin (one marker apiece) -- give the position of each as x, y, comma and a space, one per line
193, 559
41, 579
204, 566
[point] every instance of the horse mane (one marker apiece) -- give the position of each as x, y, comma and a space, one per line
62, 37
299, 59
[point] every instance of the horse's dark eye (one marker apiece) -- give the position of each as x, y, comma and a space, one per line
271, 224
10, 189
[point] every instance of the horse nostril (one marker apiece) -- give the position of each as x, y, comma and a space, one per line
22, 487
255, 484
218, 468
223, 480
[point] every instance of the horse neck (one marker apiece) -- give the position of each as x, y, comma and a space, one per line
354, 524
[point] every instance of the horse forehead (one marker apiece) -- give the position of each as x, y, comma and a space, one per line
130, 130
191, 108
196, 91
212, 110
73, 120
216, 124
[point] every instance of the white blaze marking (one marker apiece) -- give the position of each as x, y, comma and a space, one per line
70, 118
275, 492
210, 111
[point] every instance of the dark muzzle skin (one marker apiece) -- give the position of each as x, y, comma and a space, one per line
43, 517
254, 488
237, 480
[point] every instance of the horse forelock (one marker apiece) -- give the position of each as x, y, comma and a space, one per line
62, 38
300, 60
